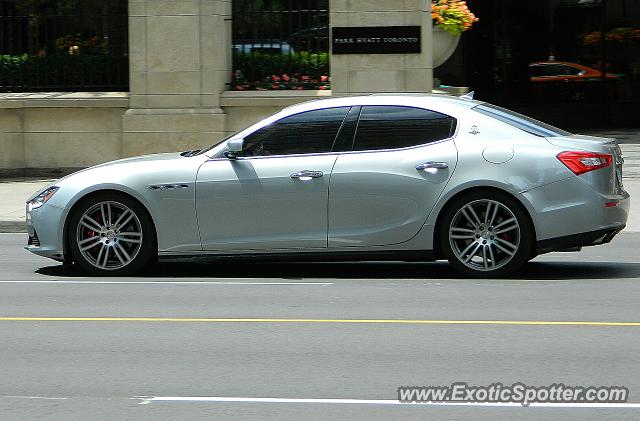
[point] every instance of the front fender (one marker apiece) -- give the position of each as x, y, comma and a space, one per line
168, 194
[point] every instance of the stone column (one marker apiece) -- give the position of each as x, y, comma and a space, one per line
180, 59
362, 73
12, 151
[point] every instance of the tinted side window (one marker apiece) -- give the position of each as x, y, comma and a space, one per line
573, 70
535, 70
308, 132
344, 141
559, 70
388, 127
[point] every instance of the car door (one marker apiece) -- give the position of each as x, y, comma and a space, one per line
383, 190
274, 196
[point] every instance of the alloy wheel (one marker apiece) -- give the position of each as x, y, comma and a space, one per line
109, 235
484, 235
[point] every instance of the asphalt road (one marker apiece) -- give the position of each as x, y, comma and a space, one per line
130, 353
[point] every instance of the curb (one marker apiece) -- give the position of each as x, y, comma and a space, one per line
13, 227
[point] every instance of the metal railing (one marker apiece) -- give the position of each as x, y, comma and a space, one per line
66, 45
280, 44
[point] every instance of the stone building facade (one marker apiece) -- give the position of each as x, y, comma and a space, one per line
179, 66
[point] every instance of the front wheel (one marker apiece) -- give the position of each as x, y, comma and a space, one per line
111, 234
485, 234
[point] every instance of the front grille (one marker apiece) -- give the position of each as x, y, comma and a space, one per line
34, 240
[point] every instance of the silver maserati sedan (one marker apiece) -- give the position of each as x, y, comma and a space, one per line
378, 177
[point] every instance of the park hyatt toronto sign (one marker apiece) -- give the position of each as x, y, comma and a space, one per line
376, 40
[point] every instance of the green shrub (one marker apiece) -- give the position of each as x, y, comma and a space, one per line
261, 71
24, 73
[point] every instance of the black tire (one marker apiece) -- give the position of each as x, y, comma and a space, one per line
111, 234
486, 233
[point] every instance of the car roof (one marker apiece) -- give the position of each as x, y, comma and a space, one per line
564, 63
437, 102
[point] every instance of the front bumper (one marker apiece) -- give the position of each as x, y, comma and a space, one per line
45, 226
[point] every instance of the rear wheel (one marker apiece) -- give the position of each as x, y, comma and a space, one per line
111, 234
485, 234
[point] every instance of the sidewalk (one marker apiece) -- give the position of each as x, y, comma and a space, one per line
13, 197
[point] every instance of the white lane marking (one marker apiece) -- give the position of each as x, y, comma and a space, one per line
31, 397
165, 282
223, 399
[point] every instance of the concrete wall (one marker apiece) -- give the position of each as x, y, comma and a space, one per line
11, 139
245, 108
180, 62
54, 133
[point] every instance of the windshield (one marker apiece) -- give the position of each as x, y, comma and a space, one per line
520, 121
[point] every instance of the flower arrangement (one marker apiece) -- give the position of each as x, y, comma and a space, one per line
283, 82
76, 44
452, 15
265, 72
619, 35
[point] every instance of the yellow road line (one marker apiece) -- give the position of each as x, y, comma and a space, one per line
317, 321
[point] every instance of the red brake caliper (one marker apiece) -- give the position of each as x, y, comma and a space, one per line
91, 233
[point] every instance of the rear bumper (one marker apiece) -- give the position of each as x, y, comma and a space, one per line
572, 210
592, 238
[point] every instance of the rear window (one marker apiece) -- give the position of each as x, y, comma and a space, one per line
520, 121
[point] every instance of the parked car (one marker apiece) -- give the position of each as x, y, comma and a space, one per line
262, 46
571, 81
564, 71
402, 177
310, 39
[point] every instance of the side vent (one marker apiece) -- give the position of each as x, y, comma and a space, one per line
34, 241
168, 186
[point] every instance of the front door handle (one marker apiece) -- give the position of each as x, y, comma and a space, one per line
434, 165
307, 174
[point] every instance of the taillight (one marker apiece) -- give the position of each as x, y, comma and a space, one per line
582, 162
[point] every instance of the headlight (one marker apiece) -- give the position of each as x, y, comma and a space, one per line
42, 198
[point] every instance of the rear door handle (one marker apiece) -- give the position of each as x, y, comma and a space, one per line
307, 174
435, 165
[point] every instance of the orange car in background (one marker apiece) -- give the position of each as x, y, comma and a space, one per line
553, 80
564, 71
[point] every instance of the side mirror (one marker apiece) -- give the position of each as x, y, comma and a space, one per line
234, 148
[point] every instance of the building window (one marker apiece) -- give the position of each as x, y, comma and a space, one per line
280, 44
63, 45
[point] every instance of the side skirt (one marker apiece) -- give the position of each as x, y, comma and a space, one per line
301, 256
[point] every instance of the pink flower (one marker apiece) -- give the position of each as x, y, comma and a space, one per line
275, 78
324, 78
286, 77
